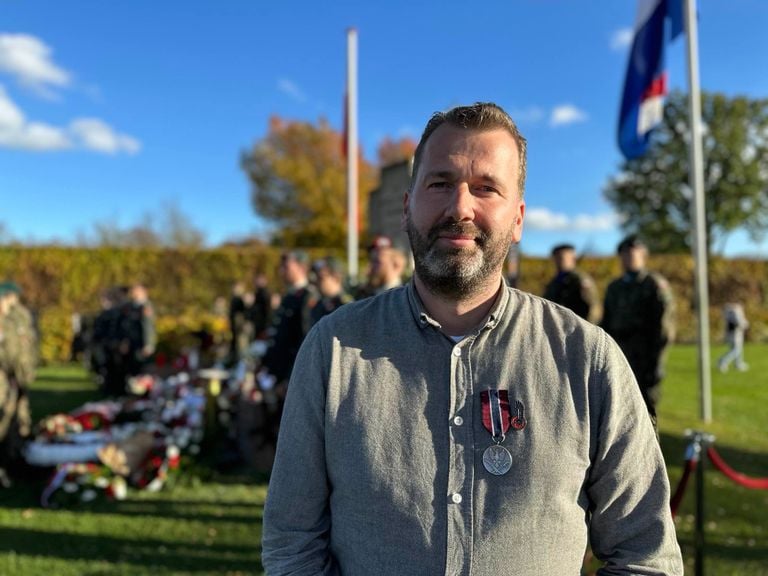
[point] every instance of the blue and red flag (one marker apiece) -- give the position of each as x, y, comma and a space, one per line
645, 85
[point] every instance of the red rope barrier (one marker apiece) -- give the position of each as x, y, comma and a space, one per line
677, 497
738, 477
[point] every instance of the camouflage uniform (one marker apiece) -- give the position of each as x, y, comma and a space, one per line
639, 314
18, 360
576, 291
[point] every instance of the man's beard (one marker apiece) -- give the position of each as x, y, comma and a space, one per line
457, 272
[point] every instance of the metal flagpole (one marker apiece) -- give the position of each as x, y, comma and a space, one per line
697, 210
352, 208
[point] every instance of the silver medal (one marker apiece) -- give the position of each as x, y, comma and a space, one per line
497, 460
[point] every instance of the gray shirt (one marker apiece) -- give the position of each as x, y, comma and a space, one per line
379, 463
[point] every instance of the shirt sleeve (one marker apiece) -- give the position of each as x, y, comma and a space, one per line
631, 526
297, 520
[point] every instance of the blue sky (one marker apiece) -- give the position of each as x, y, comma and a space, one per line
110, 111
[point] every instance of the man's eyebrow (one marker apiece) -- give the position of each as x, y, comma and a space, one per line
446, 174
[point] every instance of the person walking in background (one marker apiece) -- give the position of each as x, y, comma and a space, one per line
456, 425
570, 287
639, 314
736, 325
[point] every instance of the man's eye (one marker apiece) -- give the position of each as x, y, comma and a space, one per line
486, 189
439, 185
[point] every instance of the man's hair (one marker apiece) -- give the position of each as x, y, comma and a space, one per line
478, 116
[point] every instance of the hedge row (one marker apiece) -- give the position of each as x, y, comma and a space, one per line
185, 284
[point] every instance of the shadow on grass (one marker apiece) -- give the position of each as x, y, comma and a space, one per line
152, 554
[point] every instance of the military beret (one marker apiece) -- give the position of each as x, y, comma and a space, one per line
9, 287
379, 242
298, 255
561, 247
331, 264
631, 241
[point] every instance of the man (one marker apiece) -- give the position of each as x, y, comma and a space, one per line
458, 426
329, 279
570, 287
291, 320
143, 335
639, 314
18, 364
736, 324
386, 265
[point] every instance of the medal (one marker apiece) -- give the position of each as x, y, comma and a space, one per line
497, 460
496, 419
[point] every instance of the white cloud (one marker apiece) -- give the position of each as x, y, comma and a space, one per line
16, 132
291, 89
546, 220
10, 114
622, 39
28, 59
566, 114
95, 134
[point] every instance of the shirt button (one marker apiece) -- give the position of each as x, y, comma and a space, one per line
456, 498
458, 420
456, 351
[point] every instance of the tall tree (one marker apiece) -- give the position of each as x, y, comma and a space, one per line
653, 194
392, 151
298, 179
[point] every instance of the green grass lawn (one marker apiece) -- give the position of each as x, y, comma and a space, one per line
201, 523
210, 523
736, 517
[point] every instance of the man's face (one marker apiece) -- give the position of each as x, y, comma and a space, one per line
565, 260
380, 266
465, 209
291, 271
633, 258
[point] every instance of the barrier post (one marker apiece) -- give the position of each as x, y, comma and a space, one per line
699, 442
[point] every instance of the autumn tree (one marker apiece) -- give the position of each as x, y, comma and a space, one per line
393, 151
298, 183
653, 193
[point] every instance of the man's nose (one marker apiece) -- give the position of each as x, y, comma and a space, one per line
461, 203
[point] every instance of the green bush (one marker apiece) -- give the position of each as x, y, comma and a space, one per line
184, 285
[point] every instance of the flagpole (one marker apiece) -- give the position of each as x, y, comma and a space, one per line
352, 208
698, 213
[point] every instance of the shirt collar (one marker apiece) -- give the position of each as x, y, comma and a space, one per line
423, 319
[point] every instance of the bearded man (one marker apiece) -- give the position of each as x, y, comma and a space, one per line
456, 425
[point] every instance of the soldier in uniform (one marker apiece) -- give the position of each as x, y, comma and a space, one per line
18, 362
329, 276
291, 320
639, 314
386, 268
290, 324
570, 287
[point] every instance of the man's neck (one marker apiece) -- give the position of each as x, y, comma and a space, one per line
459, 317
